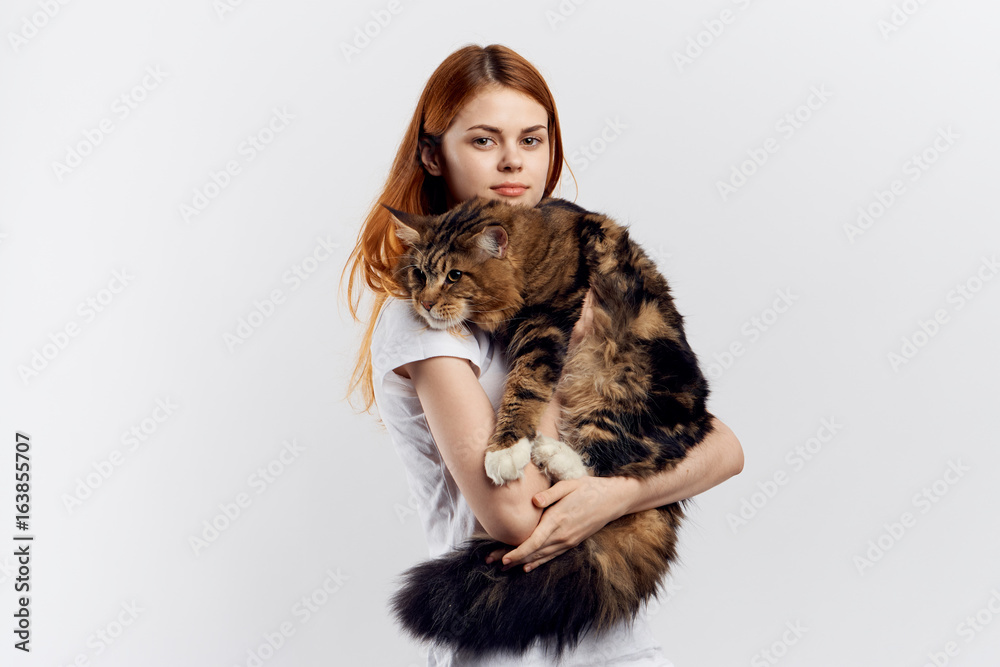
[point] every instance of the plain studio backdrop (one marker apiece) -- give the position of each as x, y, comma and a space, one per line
181, 183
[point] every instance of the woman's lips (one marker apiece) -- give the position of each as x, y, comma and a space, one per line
509, 189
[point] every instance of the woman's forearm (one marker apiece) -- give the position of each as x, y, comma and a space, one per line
461, 418
577, 508
714, 460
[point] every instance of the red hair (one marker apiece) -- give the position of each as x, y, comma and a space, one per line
456, 81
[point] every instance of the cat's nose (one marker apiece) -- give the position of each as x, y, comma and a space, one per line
427, 304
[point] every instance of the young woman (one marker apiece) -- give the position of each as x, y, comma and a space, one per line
486, 124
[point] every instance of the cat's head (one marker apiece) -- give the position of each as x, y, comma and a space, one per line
458, 265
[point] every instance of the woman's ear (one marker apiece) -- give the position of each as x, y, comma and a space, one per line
430, 156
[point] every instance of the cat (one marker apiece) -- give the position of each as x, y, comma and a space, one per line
633, 404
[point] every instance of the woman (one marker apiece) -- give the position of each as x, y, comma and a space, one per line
486, 124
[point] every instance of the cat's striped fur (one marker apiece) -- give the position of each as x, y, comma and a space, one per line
633, 402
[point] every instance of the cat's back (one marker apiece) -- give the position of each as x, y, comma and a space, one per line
550, 204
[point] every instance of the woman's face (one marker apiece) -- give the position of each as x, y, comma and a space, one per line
497, 147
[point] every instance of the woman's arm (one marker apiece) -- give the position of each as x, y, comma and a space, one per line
717, 458
578, 508
461, 419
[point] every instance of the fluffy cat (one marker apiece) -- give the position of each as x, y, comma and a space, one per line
633, 403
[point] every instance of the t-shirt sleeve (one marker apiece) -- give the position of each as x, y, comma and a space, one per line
400, 336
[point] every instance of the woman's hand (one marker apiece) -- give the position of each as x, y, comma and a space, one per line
575, 509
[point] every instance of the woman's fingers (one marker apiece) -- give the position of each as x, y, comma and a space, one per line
544, 555
526, 550
557, 491
528, 567
495, 555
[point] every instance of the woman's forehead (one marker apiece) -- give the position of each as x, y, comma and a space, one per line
503, 109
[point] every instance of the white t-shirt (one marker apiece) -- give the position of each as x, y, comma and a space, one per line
399, 338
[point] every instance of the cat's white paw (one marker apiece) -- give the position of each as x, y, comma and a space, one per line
557, 458
508, 464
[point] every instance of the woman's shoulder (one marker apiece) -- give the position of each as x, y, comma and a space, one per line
400, 336
397, 316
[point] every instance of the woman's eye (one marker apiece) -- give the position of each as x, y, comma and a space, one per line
453, 276
481, 141
535, 141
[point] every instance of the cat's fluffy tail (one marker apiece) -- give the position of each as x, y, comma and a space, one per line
459, 601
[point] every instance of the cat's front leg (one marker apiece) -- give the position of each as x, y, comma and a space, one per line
536, 353
557, 459
506, 464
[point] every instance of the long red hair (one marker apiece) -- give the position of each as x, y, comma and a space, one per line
456, 81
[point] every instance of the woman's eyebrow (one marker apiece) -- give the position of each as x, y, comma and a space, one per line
489, 128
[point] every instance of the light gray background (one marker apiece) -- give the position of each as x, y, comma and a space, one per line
339, 514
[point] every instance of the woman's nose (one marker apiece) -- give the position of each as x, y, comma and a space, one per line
510, 160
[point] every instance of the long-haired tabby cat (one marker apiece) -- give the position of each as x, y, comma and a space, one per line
633, 401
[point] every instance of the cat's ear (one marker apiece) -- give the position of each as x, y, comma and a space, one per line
492, 241
408, 225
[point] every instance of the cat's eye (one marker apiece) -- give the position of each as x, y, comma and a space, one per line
453, 276
418, 273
